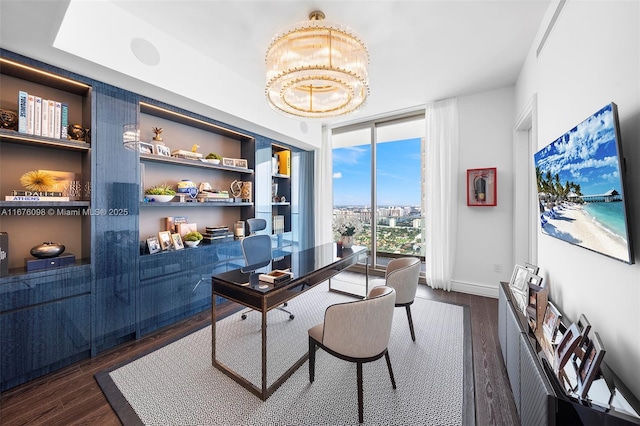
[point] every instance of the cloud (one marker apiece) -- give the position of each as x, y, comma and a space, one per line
337, 175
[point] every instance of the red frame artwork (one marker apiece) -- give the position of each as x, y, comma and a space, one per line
482, 187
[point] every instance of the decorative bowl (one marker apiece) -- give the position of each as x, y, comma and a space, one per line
161, 198
46, 250
192, 243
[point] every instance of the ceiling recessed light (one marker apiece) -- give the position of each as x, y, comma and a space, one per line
145, 51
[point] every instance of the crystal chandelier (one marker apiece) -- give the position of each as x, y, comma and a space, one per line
317, 69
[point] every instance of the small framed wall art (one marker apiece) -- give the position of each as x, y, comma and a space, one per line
482, 187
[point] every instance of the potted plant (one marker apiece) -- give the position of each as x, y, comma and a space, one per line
161, 193
214, 158
192, 238
345, 227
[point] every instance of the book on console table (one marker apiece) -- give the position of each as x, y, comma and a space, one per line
276, 276
24, 193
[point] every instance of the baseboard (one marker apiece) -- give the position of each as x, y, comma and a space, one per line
477, 289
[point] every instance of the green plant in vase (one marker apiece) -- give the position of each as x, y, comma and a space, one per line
192, 238
161, 193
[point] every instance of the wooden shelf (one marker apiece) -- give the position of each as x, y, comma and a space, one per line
278, 175
192, 163
281, 204
196, 205
11, 136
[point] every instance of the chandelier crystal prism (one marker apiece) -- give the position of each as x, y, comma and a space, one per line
317, 69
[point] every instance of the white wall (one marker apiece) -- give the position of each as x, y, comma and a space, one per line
484, 236
592, 57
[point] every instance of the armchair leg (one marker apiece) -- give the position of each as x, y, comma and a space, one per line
312, 360
393, 380
360, 405
413, 334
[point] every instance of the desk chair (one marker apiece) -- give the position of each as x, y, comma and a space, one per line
402, 274
357, 332
256, 250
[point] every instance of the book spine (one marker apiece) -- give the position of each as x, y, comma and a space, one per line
22, 111
37, 116
44, 127
24, 193
52, 118
57, 126
64, 120
31, 108
33, 198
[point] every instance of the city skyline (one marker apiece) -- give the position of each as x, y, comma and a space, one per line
398, 174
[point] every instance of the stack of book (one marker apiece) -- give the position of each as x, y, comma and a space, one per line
189, 155
20, 195
222, 196
216, 233
42, 117
278, 224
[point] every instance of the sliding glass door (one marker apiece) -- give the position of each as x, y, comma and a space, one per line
378, 177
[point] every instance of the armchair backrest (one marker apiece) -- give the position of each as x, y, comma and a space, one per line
402, 274
360, 329
256, 250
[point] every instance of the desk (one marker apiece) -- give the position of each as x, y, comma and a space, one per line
310, 267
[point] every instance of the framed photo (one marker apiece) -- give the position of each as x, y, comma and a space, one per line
538, 298
590, 365
145, 148
519, 286
550, 323
584, 326
153, 245
482, 187
228, 162
533, 268
163, 150
165, 239
240, 162
567, 346
176, 239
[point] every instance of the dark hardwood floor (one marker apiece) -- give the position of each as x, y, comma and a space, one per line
71, 395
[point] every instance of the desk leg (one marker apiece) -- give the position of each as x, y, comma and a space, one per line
213, 329
264, 354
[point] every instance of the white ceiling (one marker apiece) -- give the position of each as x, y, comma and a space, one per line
211, 53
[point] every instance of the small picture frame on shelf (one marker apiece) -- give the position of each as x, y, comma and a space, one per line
584, 326
590, 366
550, 323
228, 162
145, 148
567, 346
520, 287
240, 162
163, 150
153, 245
165, 239
532, 268
176, 239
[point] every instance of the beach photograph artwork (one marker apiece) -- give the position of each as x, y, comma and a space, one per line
580, 187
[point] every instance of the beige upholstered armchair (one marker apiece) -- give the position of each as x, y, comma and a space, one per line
357, 332
402, 274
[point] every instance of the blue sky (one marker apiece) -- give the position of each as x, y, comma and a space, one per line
398, 174
586, 155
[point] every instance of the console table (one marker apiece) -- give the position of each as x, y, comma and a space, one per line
539, 396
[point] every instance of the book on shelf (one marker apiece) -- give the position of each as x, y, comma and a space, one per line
25, 193
31, 107
44, 125
64, 120
33, 198
57, 130
190, 155
37, 116
278, 224
22, 111
52, 118
284, 158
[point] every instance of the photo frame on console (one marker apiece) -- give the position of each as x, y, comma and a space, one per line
176, 240
550, 323
566, 347
590, 366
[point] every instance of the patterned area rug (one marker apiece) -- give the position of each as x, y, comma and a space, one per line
177, 385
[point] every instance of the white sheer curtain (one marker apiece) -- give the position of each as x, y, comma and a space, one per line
441, 200
324, 190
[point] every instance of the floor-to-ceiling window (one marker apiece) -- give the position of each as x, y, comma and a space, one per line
378, 177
